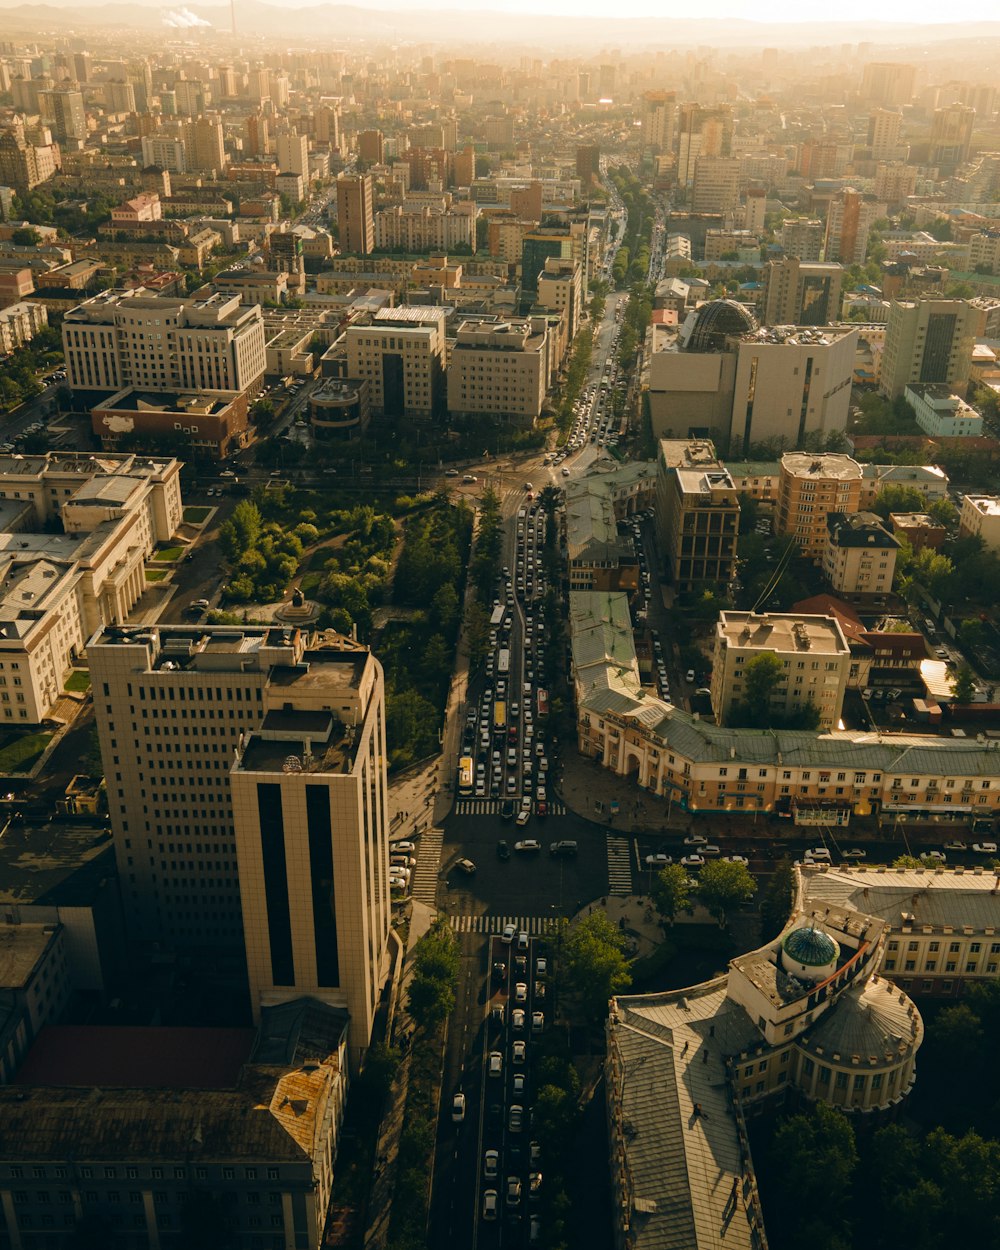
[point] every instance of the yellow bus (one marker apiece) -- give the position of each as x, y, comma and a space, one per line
465, 775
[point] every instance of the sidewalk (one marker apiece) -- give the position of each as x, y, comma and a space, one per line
588, 789
379, 1210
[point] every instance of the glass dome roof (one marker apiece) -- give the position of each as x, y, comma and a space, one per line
715, 321
810, 947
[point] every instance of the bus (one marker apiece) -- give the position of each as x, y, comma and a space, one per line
499, 717
503, 661
499, 612
465, 775
543, 702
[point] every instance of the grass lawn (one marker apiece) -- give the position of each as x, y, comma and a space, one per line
167, 555
155, 575
78, 680
19, 751
195, 516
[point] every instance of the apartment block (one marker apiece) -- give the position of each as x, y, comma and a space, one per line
423, 228
401, 355
356, 214
802, 237
560, 289
814, 655
716, 184
951, 136
500, 369
697, 516
801, 293
980, 518
132, 338
310, 811
292, 153
928, 340
860, 555
810, 488
848, 224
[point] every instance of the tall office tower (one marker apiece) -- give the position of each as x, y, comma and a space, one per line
82, 66
659, 118
608, 81
847, 227
326, 124
205, 144
226, 77
281, 89
716, 184
465, 166
755, 210
798, 293
259, 84
888, 83
588, 165
256, 135
311, 821
371, 147
883, 134
356, 214
119, 97
247, 796
67, 116
191, 97
293, 154
951, 136
928, 340
701, 132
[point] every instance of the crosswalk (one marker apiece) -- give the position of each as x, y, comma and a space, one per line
534, 926
491, 807
619, 866
425, 875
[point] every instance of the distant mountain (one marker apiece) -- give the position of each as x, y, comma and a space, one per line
348, 23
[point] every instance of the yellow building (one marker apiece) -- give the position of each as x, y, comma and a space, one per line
812, 486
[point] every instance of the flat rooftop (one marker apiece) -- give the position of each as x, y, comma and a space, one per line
21, 947
822, 465
776, 632
120, 1057
54, 863
987, 505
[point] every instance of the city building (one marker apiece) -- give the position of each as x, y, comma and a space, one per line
132, 338
292, 154
401, 355
716, 186
848, 224
588, 164
805, 1017
860, 555
919, 529
697, 515
24, 165
801, 293
356, 214
599, 558
802, 237
176, 1127
813, 652
371, 147
75, 532
951, 136
500, 369
729, 244
311, 819
980, 518
339, 408
64, 110
19, 323
928, 340
165, 150
414, 228
203, 424
884, 126
943, 414
888, 83
812, 486
560, 290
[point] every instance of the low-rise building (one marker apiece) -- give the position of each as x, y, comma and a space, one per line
860, 555
980, 517
814, 657
919, 529
339, 409
598, 556
943, 414
204, 424
930, 480
19, 323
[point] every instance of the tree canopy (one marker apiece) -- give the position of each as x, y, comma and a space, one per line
593, 957
723, 886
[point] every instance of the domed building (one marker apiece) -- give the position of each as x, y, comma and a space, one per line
716, 321
809, 953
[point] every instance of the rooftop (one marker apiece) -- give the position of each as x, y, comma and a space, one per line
826, 465
21, 947
986, 505
779, 632
859, 529
915, 897
54, 864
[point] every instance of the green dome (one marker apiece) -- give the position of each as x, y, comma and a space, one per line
810, 947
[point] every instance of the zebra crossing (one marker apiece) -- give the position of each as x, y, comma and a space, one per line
619, 866
425, 876
491, 807
534, 926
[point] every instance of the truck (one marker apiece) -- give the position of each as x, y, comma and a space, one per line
543, 702
499, 717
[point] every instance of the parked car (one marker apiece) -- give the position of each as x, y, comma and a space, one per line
855, 852
490, 1204
495, 1065
817, 854
693, 861
735, 859
938, 856
658, 860
509, 930
985, 848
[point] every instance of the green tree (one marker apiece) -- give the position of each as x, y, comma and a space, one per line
943, 511
896, 498
671, 890
241, 533
25, 236
776, 901
812, 1185
593, 956
963, 685
972, 633
723, 886
958, 1037
445, 608
477, 634
430, 1001
761, 676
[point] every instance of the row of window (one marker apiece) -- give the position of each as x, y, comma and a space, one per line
110, 1173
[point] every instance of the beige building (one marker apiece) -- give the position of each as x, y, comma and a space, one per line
810, 488
980, 517
310, 810
499, 369
401, 355
697, 515
158, 343
801, 293
814, 655
802, 237
860, 555
928, 340
423, 228
560, 290
716, 184
356, 214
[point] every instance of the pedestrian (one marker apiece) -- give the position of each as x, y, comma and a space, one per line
704, 1056
686, 1045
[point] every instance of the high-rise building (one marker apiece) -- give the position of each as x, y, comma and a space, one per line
755, 210
247, 796
82, 66
848, 224
500, 370
256, 135
810, 487
119, 96
133, 338
697, 515
883, 134
716, 184
659, 118
205, 144
465, 167
888, 83
371, 147
701, 131
402, 356
355, 214
536, 248
22, 164
166, 151
928, 340
802, 237
293, 154
951, 136
326, 124
588, 164
798, 293
66, 114
895, 182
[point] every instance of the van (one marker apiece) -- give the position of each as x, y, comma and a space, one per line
930, 627
567, 847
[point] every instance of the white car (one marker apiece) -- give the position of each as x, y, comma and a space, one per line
938, 856
509, 930
695, 839
458, 1108
491, 1204
658, 861
491, 1164
817, 854
496, 1063
693, 861
985, 848
735, 859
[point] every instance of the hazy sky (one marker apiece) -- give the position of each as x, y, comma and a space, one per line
774, 11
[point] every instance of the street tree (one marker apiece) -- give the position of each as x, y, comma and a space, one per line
593, 956
723, 886
776, 901
671, 891
963, 685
